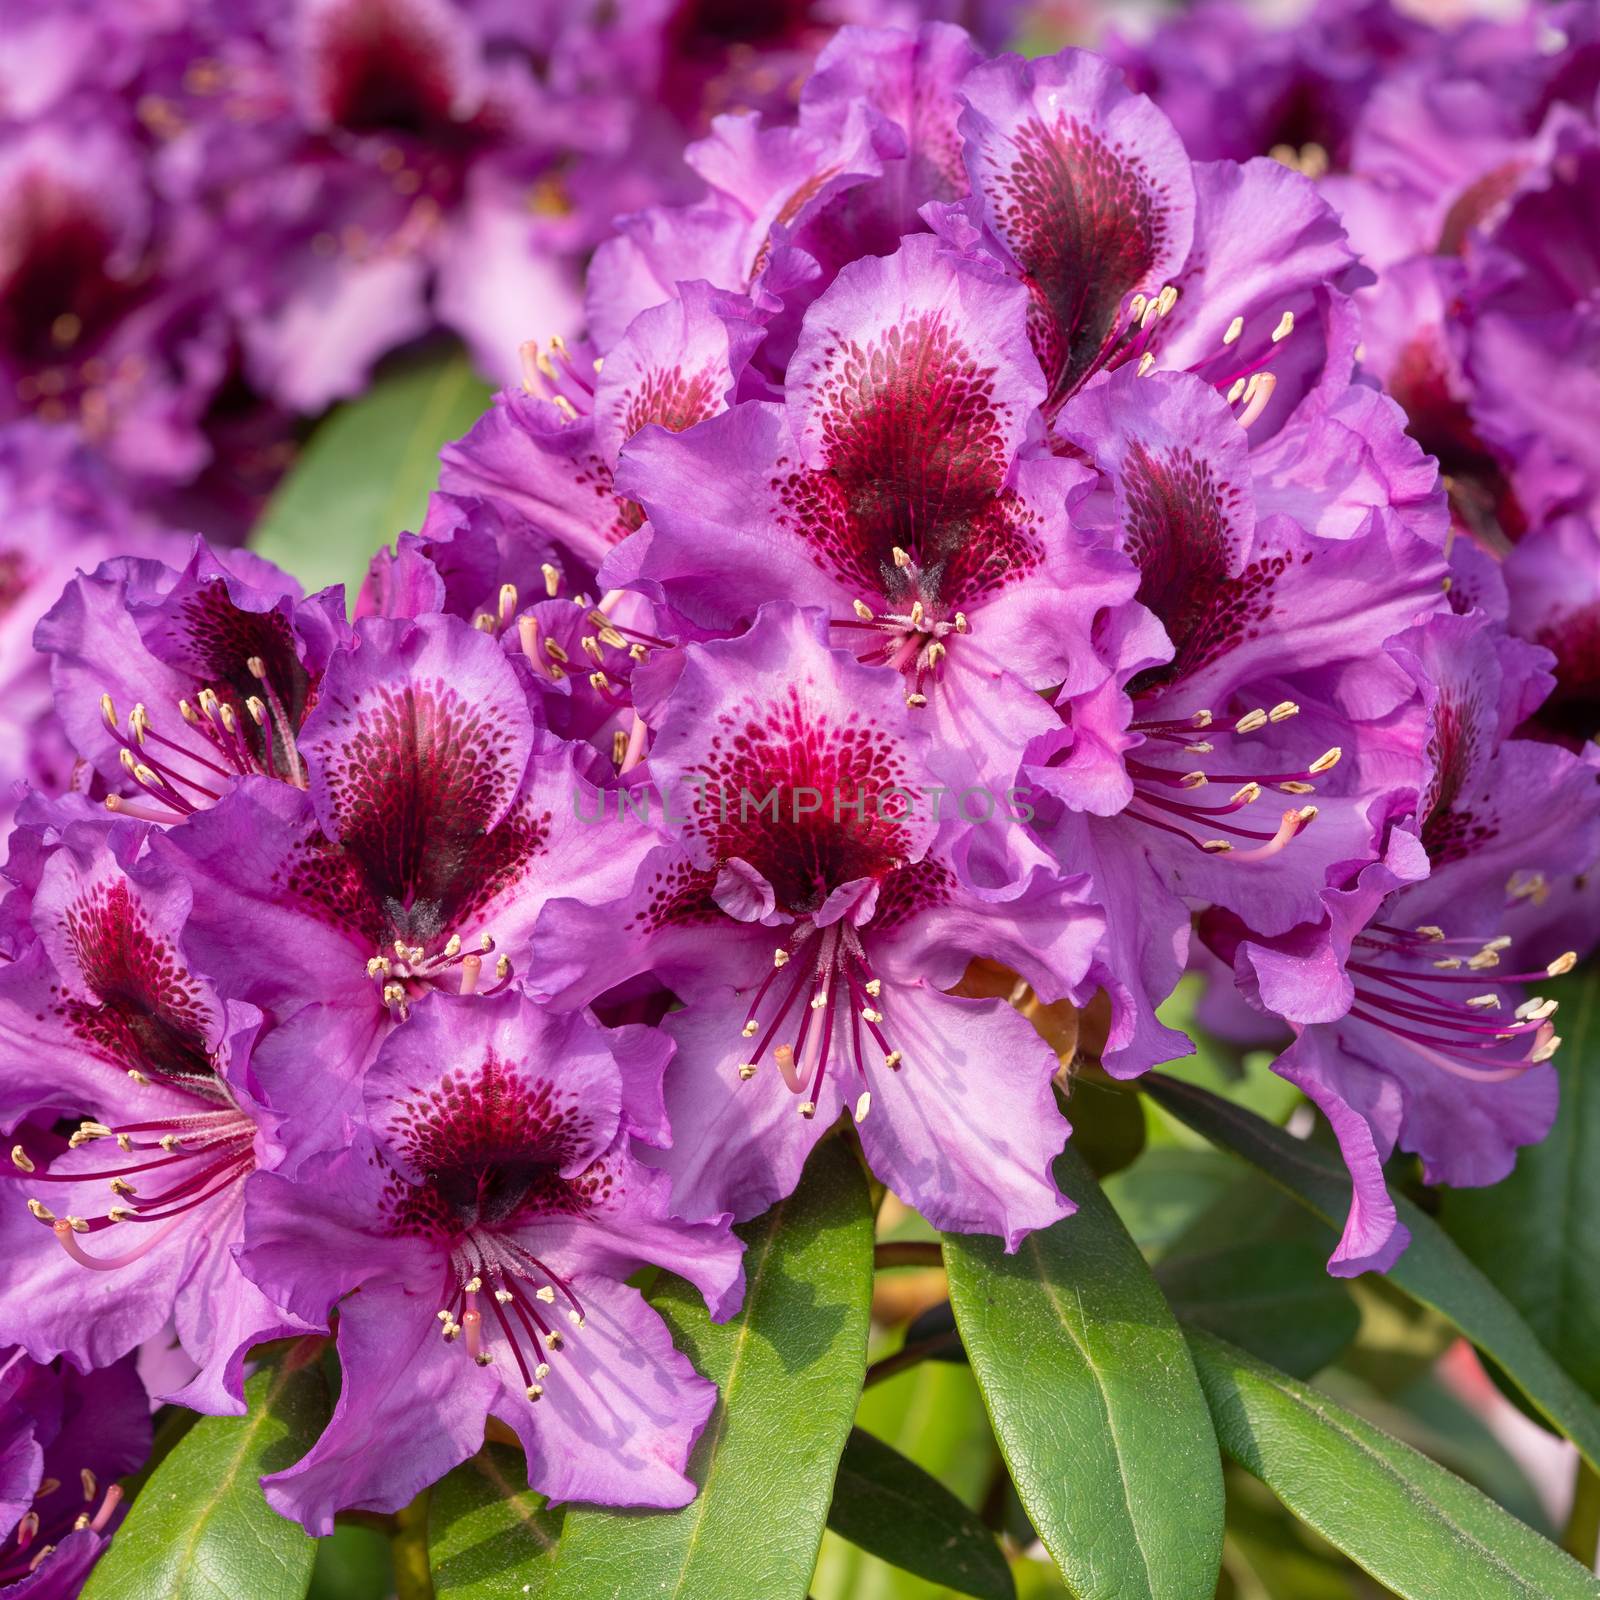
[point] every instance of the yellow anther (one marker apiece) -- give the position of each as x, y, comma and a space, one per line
1235, 328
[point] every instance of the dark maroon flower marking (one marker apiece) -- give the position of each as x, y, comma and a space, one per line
55, 287
149, 1017
1481, 493
416, 788
916, 463
489, 1144
1573, 710
148, 1013
803, 853
1086, 224
380, 69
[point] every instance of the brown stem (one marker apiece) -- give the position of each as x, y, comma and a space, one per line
906, 1357
907, 1253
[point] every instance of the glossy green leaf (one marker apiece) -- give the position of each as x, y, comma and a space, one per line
366, 472
1433, 1269
789, 1366
890, 1506
200, 1528
1273, 1298
1534, 1234
1418, 1529
486, 1527
1094, 1401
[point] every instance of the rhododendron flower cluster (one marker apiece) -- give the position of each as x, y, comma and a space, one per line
968, 530
217, 214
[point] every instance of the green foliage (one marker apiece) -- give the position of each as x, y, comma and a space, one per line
1534, 1235
485, 1523
789, 1366
367, 470
200, 1529
1433, 1269
1418, 1529
890, 1506
1094, 1401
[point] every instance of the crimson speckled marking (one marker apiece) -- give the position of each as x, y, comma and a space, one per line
149, 1013
911, 431
790, 744
490, 1142
415, 774
678, 896
1085, 222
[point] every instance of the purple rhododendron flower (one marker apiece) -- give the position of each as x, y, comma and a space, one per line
133, 1218
487, 1212
438, 822
975, 359
60, 511
171, 683
988, 530
64, 1437
1408, 1030
816, 907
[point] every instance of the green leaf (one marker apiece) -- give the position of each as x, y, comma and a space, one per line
1165, 1190
890, 1506
1108, 1126
1433, 1269
933, 1414
485, 1525
1094, 1401
1534, 1234
1271, 1297
367, 471
354, 1564
200, 1528
1418, 1529
789, 1366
